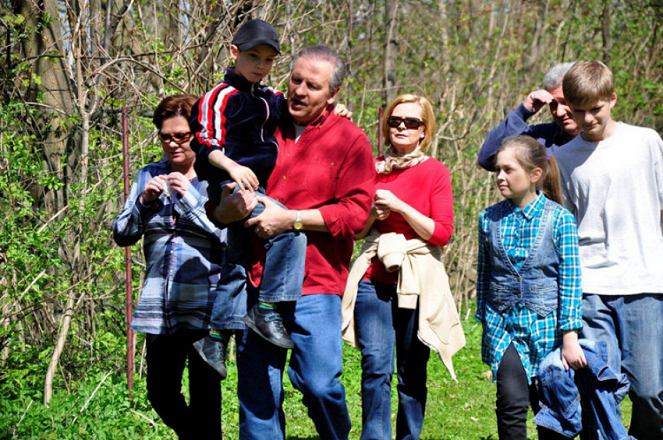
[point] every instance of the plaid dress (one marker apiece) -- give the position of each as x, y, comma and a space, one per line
533, 336
183, 253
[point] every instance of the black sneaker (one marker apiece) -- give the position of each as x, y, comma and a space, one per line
269, 325
213, 352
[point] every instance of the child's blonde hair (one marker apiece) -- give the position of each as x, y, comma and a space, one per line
530, 155
587, 83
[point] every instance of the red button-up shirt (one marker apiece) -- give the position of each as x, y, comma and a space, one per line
330, 168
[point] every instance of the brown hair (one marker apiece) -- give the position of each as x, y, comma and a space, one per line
587, 83
530, 155
427, 116
171, 106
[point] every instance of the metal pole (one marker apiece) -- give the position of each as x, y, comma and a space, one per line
127, 250
380, 136
349, 62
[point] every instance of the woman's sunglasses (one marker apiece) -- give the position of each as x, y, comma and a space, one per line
410, 123
178, 138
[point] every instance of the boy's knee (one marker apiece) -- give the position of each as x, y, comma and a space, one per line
319, 390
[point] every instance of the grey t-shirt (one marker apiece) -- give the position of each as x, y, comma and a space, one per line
615, 190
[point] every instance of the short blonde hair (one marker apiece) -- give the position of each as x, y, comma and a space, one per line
426, 115
587, 83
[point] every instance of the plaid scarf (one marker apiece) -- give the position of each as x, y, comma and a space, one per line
394, 159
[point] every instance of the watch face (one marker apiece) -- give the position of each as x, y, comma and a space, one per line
298, 225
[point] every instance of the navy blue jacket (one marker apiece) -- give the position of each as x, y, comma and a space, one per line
549, 135
240, 119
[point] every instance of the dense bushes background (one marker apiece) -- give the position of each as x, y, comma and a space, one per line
69, 66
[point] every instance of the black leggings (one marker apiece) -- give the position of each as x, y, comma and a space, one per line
166, 358
514, 395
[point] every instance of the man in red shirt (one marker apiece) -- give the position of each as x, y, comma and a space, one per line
325, 175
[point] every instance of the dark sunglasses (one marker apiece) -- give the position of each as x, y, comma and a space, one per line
410, 123
178, 138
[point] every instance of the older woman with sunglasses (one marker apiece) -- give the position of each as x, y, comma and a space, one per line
183, 251
398, 292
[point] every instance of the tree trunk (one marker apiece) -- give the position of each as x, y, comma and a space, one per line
390, 49
605, 32
55, 90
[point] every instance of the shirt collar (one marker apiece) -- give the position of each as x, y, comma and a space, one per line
532, 210
238, 82
287, 125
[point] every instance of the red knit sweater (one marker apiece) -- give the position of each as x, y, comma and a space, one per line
427, 188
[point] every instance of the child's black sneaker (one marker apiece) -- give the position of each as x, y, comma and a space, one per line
213, 352
269, 325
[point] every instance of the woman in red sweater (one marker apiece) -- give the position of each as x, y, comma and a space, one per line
413, 199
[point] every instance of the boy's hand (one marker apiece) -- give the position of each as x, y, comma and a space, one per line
342, 111
537, 99
245, 178
572, 354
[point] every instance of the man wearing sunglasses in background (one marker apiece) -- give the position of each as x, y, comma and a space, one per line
551, 135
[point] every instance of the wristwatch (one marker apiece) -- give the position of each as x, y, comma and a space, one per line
298, 225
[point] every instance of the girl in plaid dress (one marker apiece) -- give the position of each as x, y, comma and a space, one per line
528, 281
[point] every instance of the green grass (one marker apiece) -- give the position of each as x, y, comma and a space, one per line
454, 410
462, 410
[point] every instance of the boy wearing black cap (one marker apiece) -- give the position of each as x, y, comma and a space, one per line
235, 124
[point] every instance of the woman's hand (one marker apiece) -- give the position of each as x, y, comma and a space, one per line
152, 190
572, 354
386, 200
379, 212
178, 182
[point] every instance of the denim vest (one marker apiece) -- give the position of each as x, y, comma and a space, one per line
535, 284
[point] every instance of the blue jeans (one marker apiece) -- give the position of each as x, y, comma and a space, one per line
631, 326
282, 277
314, 324
380, 325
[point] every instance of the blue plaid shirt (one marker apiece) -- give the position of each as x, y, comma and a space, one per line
183, 254
532, 336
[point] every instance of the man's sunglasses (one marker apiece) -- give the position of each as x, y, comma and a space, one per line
410, 123
178, 138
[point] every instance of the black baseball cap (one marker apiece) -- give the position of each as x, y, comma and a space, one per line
254, 33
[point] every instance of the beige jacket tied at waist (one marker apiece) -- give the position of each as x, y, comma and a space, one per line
421, 279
